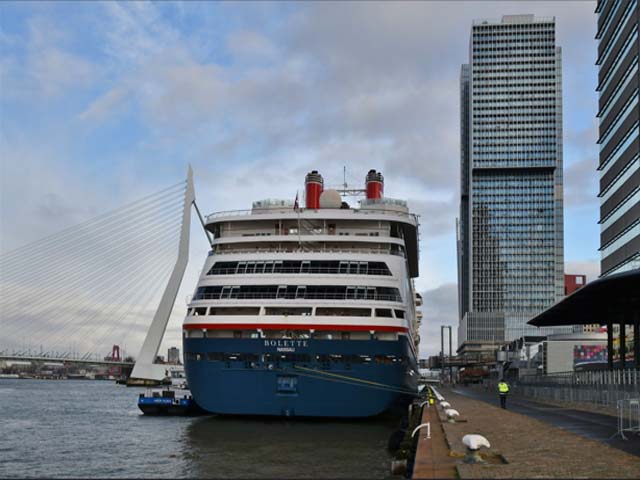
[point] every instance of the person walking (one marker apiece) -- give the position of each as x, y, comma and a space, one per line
503, 390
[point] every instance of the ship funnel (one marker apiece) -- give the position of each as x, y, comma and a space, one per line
314, 185
375, 184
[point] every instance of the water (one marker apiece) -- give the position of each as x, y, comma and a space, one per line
94, 429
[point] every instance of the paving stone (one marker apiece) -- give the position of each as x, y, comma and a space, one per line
533, 449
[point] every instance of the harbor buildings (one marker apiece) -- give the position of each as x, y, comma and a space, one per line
510, 230
619, 134
573, 282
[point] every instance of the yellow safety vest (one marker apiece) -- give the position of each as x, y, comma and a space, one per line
503, 387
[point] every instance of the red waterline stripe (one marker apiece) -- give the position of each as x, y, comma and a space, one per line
290, 326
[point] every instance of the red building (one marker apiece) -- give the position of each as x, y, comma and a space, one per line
573, 283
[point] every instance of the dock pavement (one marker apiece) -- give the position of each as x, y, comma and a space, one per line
521, 447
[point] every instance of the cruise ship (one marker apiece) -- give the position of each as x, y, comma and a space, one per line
307, 310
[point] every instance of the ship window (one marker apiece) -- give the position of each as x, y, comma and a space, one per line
353, 268
351, 293
305, 267
277, 268
288, 311
281, 292
200, 311
226, 291
383, 312
251, 267
399, 313
234, 311
301, 292
344, 267
268, 267
360, 293
343, 312
364, 268
242, 266
234, 292
371, 293
259, 267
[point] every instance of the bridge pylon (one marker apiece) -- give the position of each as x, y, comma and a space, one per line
145, 371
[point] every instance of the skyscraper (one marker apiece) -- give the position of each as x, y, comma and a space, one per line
619, 134
510, 231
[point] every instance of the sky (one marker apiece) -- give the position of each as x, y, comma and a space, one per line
104, 103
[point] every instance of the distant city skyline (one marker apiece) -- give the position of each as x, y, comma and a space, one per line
103, 103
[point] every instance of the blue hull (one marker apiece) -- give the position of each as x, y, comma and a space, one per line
315, 378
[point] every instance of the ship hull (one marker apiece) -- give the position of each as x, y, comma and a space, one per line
310, 378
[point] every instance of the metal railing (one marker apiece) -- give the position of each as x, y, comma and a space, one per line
306, 249
291, 212
601, 387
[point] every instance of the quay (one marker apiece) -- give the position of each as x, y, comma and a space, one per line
521, 446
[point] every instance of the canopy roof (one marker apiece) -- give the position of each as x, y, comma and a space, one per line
615, 298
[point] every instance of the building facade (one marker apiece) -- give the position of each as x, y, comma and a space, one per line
510, 230
573, 282
619, 134
173, 355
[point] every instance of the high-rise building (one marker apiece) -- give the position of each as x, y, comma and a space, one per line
173, 355
619, 134
510, 231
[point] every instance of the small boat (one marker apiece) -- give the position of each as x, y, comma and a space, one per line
167, 402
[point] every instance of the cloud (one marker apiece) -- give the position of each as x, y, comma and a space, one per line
590, 268
254, 98
43, 64
440, 307
581, 184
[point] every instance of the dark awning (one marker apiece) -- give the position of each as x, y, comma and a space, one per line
615, 298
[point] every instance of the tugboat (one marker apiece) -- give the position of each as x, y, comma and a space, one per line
167, 402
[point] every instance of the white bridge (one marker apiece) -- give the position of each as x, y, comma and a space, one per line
95, 284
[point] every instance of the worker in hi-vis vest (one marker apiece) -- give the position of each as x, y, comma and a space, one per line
503, 389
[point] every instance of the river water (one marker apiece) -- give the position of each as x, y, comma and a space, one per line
94, 429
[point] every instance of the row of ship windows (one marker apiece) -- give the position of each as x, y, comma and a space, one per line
306, 292
274, 335
521, 117
303, 358
526, 96
302, 311
300, 266
511, 46
508, 54
507, 81
516, 79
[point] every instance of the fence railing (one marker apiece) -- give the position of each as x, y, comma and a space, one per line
603, 387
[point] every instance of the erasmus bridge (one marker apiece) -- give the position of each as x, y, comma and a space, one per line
111, 280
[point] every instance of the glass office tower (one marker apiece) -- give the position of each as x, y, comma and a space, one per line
510, 231
619, 135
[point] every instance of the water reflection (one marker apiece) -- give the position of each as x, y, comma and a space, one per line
248, 447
